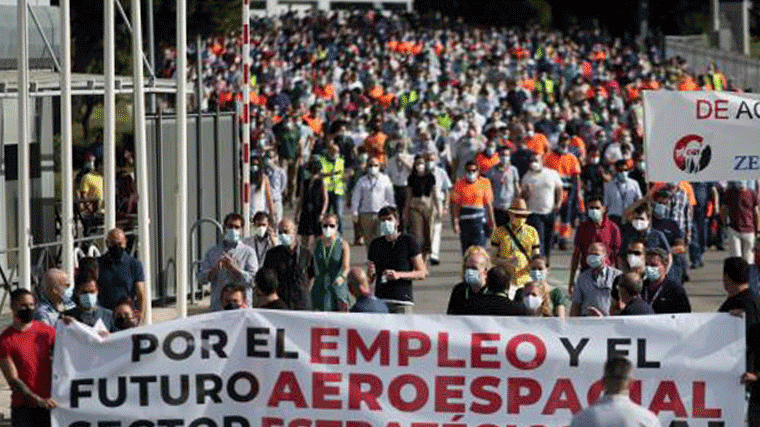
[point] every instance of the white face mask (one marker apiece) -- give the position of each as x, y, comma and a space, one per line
261, 231
329, 231
640, 224
374, 170
536, 166
420, 168
532, 302
635, 261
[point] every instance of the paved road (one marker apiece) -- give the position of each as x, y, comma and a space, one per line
431, 295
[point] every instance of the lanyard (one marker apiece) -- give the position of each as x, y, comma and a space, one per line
328, 254
656, 294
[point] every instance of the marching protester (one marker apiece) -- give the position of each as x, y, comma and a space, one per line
312, 205
231, 261
87, 309
592, 292
333, 173
361, 289
514, 244
620, 193
26, 356
495, 302
505, 182
615, 408
371, 193
597, 228
664, 295
394, 261
421, 205
476, 263
266, 290
233, 297
629, 289
293, 264
540, 298
262, 198
741, 212
124, 316
542, 189
121, 275
55, 296
263, 237
472, 207
443, 187
332, 256
278, 184
399, 168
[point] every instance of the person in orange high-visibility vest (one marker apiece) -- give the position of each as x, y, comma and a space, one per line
569, 168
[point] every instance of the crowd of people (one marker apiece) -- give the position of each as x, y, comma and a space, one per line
526, 140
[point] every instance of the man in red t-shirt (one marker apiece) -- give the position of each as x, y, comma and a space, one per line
741, 212
26, 361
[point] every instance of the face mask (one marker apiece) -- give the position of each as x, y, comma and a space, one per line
472, 176
660, 210
232, 235
652, 273
285, 239
635, 261
621, 176
490, 151
68, 293
562, 150
329, 231
25, 315
387, 228
89, 165
505, 160
430, 165
363, 158
122, 322
420, 168
595, 214
518, 222
115, 251
472, 277
640, 224
594, 261
374, 170
535, 166
538, 275
531, 134
532, 302
642, 165
261, 231
268, 162
255, 168
88, 300
231, 306
595, 160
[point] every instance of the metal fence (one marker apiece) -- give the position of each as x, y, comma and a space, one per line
743, 71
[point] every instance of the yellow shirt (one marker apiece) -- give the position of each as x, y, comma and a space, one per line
528, 237
91, 187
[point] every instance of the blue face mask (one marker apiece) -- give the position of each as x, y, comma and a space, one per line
594, 261
472, 276
660, 210
652, 273
68, 293
232, 235
286, 239
88, 300
387, 227
595, 214
621, 176
538, 275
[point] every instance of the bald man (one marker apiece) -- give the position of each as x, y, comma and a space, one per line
294, 265
55, 296
121, 275
366, 302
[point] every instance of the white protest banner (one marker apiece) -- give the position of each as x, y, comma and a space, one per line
305, 369
701, 136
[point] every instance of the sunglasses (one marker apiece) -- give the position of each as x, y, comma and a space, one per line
329, 226
636, 252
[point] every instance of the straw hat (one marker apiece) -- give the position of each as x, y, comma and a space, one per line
519, 207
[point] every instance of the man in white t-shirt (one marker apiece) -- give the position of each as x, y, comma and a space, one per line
542, 189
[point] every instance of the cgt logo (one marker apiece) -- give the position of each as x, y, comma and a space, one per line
691, 154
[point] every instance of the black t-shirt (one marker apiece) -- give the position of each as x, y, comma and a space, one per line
750, 304
669, 228
421, 185
592, 179
275, 305
393, 255
483, 304
521, 160
460, 297
669, 298
637, 306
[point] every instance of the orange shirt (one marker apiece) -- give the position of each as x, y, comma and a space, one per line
375, 146
538, 144
314, 123
475, 194
387, 99
683, 185
485, 163
578, 143
565, 164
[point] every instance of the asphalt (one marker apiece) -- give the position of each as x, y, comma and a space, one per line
431, 296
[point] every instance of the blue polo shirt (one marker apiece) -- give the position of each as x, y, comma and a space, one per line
117, 279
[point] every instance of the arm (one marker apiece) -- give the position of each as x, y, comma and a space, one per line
355, 196
142, 301
757, 218
575, 309
268, 195
207, 270
405, 214
557, 197
419, 271
574, 261
455, 217
489, 212
325, 200
17, 385
560, 311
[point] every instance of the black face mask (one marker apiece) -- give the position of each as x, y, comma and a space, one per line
115, 252
25, 315
231, 306
122, 322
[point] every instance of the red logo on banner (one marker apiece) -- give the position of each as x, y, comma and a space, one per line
691, 154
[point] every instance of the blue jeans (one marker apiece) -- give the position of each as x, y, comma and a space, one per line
544, 225
699, 234
335, 204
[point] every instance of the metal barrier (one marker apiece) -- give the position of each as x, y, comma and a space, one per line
744, 71
195, 264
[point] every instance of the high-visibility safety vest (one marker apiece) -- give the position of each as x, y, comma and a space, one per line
335, 183
717, 81
409, 98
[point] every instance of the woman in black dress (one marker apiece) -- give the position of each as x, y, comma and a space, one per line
313, 204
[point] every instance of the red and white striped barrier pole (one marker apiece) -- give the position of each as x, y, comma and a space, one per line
246, 113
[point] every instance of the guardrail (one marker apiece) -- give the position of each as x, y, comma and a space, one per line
742, 70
